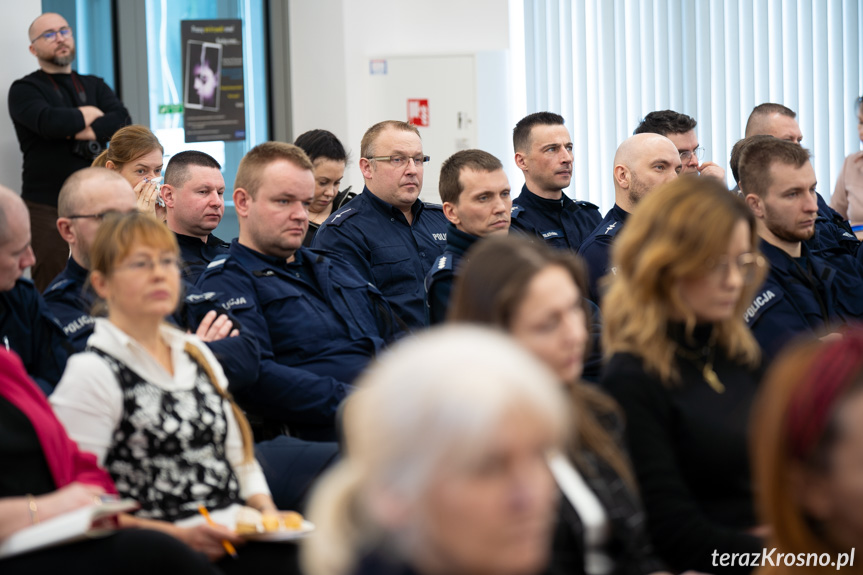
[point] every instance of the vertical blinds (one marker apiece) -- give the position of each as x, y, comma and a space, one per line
604, 64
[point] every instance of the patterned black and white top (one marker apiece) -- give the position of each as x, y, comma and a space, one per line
168, 438
168, 451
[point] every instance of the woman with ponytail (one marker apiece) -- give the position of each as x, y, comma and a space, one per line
151, 401
136, 154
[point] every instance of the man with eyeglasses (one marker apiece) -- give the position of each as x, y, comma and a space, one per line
387, 233
85, 199
26, 325
642, 163
543, 152
800, 294
680, 129
63, 120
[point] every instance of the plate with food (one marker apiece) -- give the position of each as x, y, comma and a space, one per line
282, 526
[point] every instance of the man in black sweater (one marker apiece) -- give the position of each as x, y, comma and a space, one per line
62, 120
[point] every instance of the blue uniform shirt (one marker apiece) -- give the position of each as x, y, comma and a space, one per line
797, 297
196, 254
375, 238
562, 223
28, 328
318, 324
71, 302
438, 282
596, 247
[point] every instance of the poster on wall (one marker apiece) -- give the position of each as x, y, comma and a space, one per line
213, 91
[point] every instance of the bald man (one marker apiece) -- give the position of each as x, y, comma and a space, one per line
26, 325
63, 120
642, 162
85, 198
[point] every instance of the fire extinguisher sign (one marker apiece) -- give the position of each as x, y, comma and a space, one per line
418, 112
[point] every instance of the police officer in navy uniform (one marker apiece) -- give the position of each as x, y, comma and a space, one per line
318, 322
477, 202
833, 239
641, 163
680, 129
543, 151
194, 193
387, 233
86, 196
800, 294
26, 325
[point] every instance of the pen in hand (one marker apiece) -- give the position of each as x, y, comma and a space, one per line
225, 543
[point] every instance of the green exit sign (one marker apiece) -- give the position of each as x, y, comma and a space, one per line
171, 109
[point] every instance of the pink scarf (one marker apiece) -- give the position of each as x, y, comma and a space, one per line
66, 461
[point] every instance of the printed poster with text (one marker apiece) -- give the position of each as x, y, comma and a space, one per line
213, 92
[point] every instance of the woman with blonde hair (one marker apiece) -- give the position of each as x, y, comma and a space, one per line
136, 154
807, 452
684, 366
444, 470
536, 295
151, 401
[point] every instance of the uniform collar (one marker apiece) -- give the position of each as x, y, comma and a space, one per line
619, 213
243, 252
528, 198
212, 241
390, 210
458, 241
76, 272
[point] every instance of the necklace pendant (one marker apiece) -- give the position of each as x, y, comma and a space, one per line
712, 379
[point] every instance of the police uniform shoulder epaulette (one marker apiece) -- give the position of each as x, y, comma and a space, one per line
217, 265
341, 216
431, 206
59, 286
586, 205
444, 262
515, 211
610, 229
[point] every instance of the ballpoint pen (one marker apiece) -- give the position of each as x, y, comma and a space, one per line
225, 543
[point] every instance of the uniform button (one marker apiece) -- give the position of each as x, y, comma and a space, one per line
422, 254
296, 274
392, 219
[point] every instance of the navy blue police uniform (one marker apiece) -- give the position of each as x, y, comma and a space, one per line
386, 250
797, 297
563, 223
70, 299
596, 248
28, 328
438, 282
318, 324
196, 255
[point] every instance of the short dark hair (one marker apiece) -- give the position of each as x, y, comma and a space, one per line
177, 171
321, 144
766, 109
757, 156
450, 185
737, 149
521, 132
664, 122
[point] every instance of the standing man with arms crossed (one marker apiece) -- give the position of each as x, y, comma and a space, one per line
63, 120
387, 233
543, 151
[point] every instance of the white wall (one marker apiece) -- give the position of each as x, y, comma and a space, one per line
17, 62
333, 40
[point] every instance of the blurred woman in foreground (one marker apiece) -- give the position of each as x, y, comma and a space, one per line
808, 456
151, 402
445, 466
535, 294
685, 367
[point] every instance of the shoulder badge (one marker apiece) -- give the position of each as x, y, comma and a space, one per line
767, 298
341, 216
515, 211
